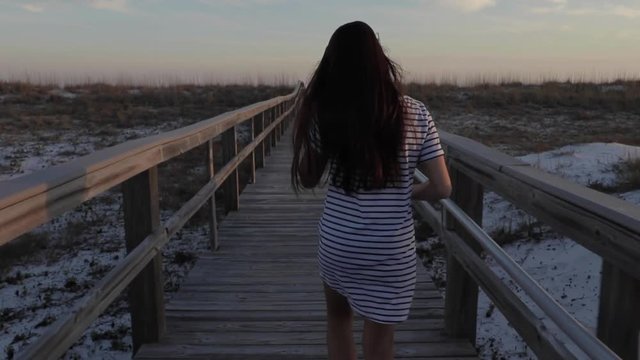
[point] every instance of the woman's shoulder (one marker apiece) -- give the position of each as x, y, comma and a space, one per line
412, 105
415, 109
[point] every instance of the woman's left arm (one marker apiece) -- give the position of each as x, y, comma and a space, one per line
439, 184
312, 165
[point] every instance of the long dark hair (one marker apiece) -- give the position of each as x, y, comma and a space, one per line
353, 99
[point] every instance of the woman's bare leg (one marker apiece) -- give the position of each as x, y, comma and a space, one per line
339, 326
377, 340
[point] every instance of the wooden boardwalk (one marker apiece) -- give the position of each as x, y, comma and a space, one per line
259, 296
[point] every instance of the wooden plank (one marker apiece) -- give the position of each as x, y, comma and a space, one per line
619, 313
286, 351
258, 126
461, 299
231, 186
267, 122
274, 115
146, 293
294, 337
182, 326
213, 217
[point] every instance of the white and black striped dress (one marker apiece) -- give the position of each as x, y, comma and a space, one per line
367, 246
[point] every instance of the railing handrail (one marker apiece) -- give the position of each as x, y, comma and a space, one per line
608, 226
33, 199
591, 345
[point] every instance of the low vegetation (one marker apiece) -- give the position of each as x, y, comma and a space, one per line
519, 118
103, 108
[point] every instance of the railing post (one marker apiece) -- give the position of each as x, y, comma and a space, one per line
461, 298
274, 117
141, 218
258, 127
229, 150
284, 122
619, 311
276, 131
253, 153
266, 121
213, 221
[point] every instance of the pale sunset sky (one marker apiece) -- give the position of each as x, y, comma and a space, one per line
228, 40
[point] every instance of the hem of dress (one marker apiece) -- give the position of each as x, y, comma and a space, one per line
358, 311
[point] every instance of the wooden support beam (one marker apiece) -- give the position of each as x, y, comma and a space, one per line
146, 293
258, 126
231, 188
285, 107
274, 117
461, 299
213, 220
252, 180
619, 313
279, 128
267, 121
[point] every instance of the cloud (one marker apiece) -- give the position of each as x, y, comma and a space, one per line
625, 11
243, 3
35, 8
470, 5
112, 5
551, 7
560, 7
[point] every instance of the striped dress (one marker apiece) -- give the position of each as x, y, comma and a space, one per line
367, 245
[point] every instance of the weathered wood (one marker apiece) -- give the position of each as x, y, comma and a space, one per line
274, 118
526, 323
267, 122
461, 299
266, 301
213, 216
35, 198
533, 330
253, 153
608, 226
232, 184
207, 192
289, 117
142, 218
619, 312
280, 127
297, 351
258, 126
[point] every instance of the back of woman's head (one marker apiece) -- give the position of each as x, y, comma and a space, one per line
354, 98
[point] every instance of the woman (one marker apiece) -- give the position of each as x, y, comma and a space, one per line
354, 121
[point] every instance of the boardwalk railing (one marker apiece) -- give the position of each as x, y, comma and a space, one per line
601, 223
34, 199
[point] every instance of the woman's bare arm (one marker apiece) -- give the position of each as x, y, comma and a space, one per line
439, 184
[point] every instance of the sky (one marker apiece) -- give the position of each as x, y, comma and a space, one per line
282, 40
